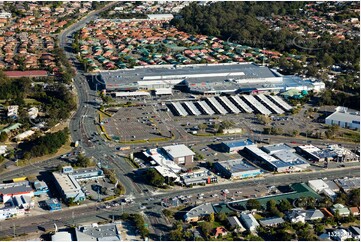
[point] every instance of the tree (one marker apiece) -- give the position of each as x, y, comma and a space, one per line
168, 213
154, 178
202, 126
206, 228
221, 217
284, 205
263, 119
272, 208
253, 204
354, 197
3, 137
211, 218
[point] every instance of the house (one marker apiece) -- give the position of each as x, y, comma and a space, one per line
95, 232
355, 232
300, 215
340, 235
341, 209
271, 222
235, 224
220, 232
249, 222
355, 211
199, 212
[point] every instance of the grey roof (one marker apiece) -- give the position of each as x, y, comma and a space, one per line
248, 220
199, 211
108, 232
313, 214
17, 189
354, 230
234, 222
348, 117
271, 221
270, 149
332, 185
348, 183
237, 165
178, 150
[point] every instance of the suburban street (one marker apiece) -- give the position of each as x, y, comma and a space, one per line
83, 128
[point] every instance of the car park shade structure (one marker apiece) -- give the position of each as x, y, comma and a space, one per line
217, 106
280, 102
205, 107
192, 108
229, 105
241, 103
179, 108
270, 104
257, 105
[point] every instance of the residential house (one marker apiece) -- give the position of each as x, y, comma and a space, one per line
220, 232
355, 211
249, 222
355, 232
199, 212
341, 209
271, 222
235, 224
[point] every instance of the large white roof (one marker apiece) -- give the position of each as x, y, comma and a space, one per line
178, 150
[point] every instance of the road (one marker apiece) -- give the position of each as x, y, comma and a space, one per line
82, 127
89, 213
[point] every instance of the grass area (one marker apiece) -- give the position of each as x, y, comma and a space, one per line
257, 216
146, 141
103, 114
63, 150
349, 135
31, 101
132, 163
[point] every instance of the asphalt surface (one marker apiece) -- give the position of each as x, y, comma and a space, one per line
81, 214
83, 128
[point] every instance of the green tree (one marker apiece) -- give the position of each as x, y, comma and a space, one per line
253, 204
354, 197
3, 137
168, 213
211, 218
206, 228
154, 178
284, 205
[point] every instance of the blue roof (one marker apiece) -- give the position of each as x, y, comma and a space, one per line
238, 143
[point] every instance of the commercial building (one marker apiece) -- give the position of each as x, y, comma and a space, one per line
205, 79
249, 222
347, 184
159, 157
315, 154
84, 174
53, 204
167, 173
198, 177
237, 169
199, 212
236, 145
95, 232
10, 190
286, 154
320, 187
343, 118
40, 187
61, 236
68, 187
180, 154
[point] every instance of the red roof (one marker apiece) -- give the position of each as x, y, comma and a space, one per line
36, 73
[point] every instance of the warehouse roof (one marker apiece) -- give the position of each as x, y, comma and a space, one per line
275, 148
107, 232
237, 165
178, 150
16, 190
238, 143
343, 115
